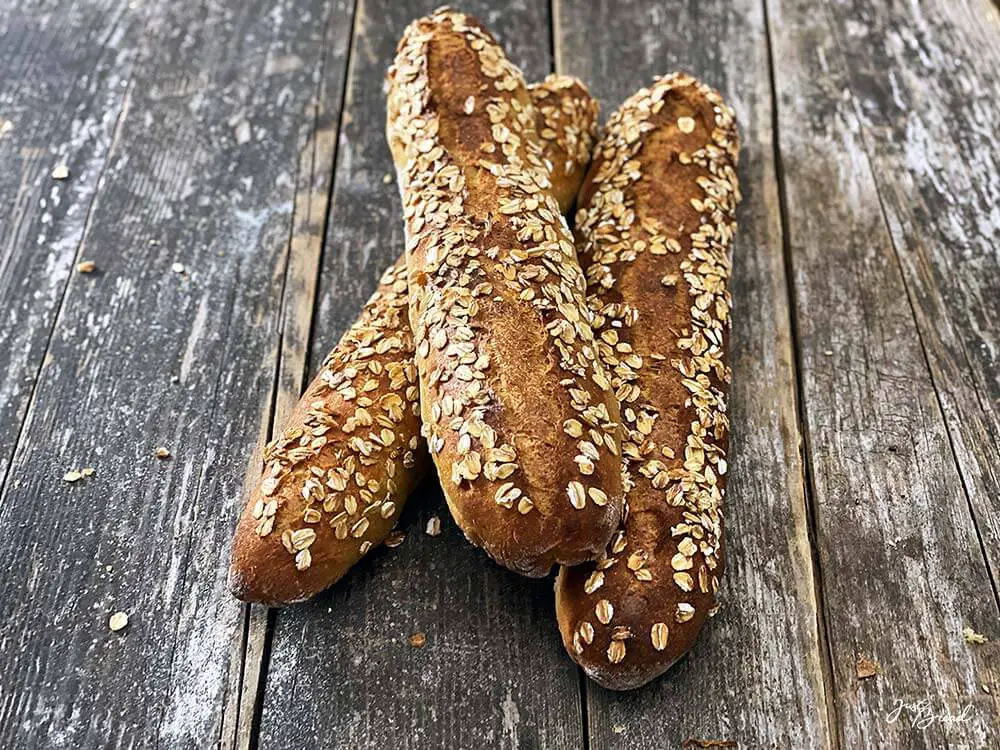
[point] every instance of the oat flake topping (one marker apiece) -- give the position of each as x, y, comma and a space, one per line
363, 451
687, 475
467, 263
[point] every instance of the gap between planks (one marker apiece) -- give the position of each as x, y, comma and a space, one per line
307, 244
805, 454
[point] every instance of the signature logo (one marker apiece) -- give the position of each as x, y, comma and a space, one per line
922, 714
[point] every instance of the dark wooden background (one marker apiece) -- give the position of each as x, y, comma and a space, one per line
244, 141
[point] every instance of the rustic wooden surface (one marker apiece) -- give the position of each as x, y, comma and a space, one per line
64, 113
902, 566
211, 107
244, 141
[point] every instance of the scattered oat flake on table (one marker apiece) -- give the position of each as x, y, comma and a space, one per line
61, 172
866, 668
417, 640
118, 621
433, 526
87, 471
971, 636
162, 452
72, 475
243, 132
86, 266
177, 268
387, 178
395, 539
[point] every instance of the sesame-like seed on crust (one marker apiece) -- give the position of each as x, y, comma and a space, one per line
616, 651
595, 582
659, 635
604, 611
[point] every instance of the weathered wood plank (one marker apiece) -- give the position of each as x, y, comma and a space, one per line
902, 568
929, 105
756, 675
342, 672
63, 70
201, 172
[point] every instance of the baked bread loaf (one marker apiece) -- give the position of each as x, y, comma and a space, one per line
654, 228
336, 479
516, 406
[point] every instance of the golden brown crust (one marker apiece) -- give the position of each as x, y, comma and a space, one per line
566, 123
262, 568
518, 411
335, 481
654, 229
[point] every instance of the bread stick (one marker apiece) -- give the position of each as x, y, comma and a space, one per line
518, 411
654, 230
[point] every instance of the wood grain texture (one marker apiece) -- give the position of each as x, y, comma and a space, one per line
756, 675
64, 69
201, 172
902, 566
928, 102
342, 672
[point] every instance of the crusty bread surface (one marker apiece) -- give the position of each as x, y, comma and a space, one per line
654, 230
517, 408
335, 480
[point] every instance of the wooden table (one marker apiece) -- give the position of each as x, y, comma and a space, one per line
228, 176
